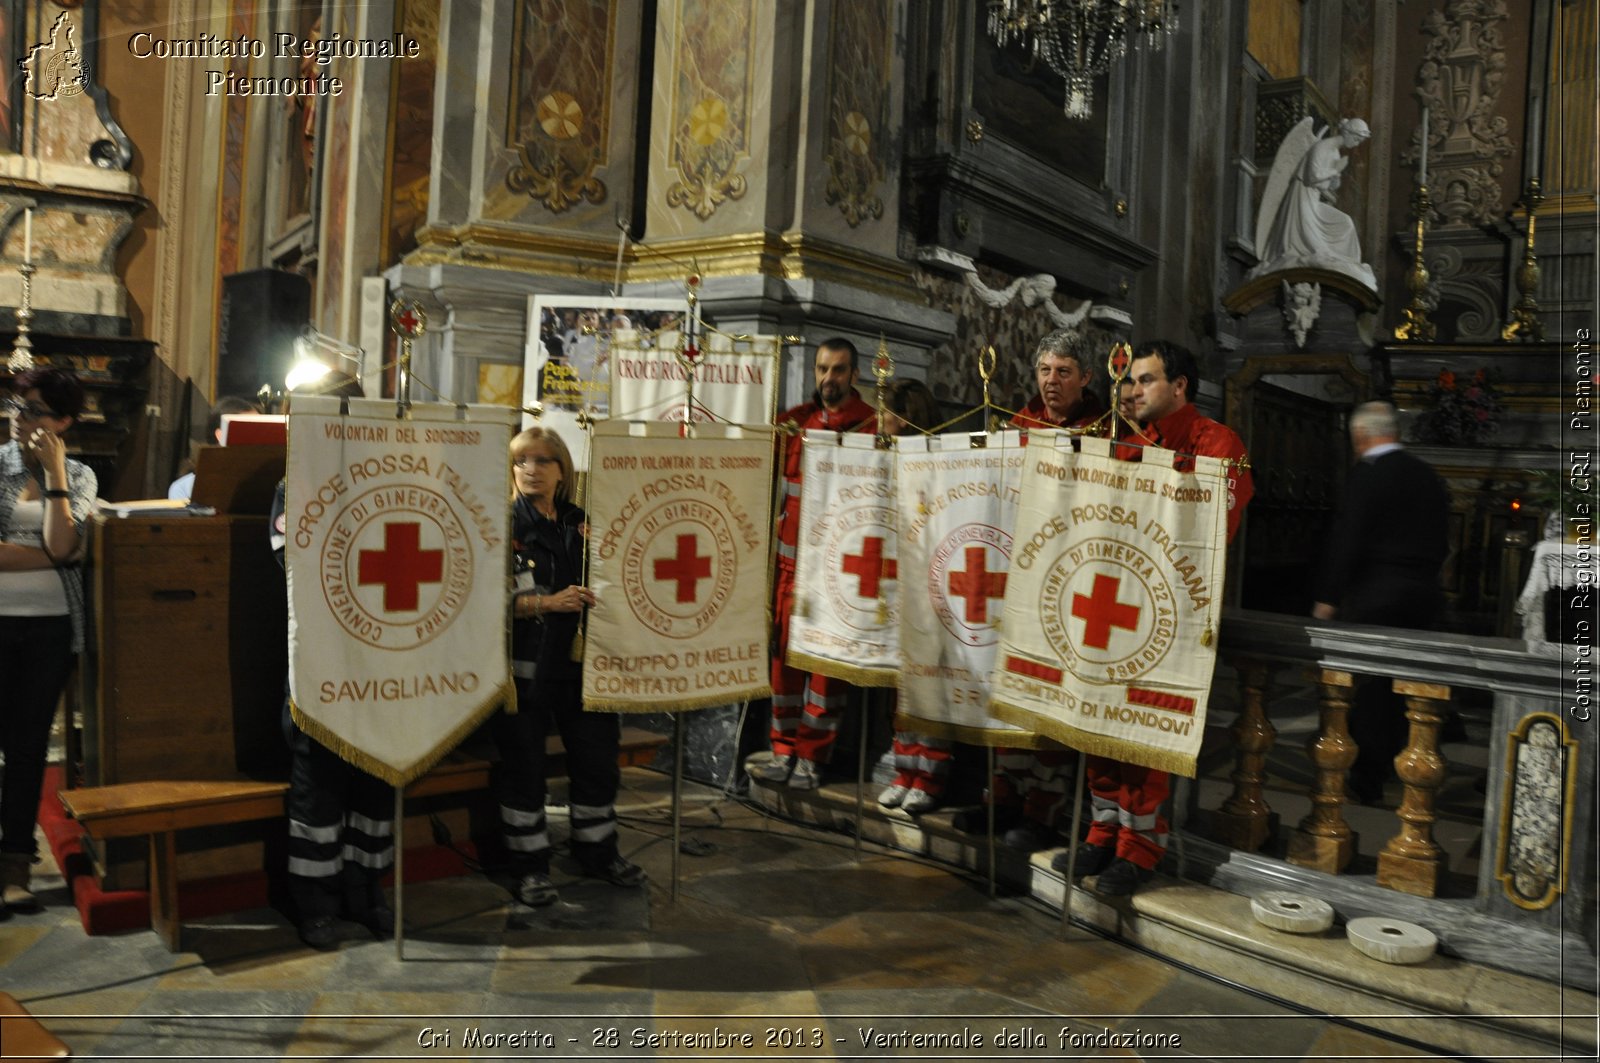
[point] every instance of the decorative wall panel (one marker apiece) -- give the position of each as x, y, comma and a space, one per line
560, 112
711, 89
411, 130
859, 118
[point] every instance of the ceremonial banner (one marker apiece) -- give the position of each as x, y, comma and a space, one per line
844, 622
1108, 640
734, 380
958, 506
679, 545
567, 368
395, 545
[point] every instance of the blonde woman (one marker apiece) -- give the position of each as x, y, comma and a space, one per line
547, 533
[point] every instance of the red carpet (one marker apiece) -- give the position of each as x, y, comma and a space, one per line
108, 912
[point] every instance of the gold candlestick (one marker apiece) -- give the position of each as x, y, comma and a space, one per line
22, 351
1525, 323
1417, 326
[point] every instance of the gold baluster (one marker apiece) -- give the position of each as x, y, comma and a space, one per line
1245, 821
1324, 840
1412, 862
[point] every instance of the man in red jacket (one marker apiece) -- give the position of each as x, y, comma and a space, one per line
1129, 835
1029, 787
806, 707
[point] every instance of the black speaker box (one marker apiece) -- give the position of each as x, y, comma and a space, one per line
263, 312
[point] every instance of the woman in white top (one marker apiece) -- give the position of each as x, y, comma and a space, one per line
45, 498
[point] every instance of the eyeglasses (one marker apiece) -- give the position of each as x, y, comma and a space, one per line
31, 411
540, 461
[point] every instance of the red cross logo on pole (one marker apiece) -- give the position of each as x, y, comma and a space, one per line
401, 567
869, 566
688, 568
1101, 612
976, 585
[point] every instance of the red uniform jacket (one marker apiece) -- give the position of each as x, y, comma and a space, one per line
1189, 432
854, 416
1086, 412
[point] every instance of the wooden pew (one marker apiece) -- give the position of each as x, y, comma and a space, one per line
160, 808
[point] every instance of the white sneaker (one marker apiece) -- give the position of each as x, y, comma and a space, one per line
917, 802
805, 775
893, 795
776, 769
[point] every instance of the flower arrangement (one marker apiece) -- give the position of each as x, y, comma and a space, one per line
1461, 416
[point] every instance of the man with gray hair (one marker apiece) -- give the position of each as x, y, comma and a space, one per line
1064, 399
1382, 562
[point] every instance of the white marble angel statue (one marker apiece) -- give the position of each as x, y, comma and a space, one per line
1298, 224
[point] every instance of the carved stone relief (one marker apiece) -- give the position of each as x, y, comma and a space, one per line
1459, 82
560, 101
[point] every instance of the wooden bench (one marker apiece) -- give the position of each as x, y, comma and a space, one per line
161, 808
24, 1037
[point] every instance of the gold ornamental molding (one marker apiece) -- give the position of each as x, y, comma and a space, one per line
789, 256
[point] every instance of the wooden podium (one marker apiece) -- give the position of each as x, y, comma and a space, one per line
185, 675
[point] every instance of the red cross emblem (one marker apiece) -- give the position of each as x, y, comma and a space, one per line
688, 568
976, 585
1121, 358
407, 318
401, 567
1101, 612
869, 566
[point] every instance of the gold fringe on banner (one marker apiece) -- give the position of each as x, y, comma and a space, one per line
1096, 745
506, 694
861, 677
705, 701
973, 736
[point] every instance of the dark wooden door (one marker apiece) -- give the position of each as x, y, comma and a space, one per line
1299, 453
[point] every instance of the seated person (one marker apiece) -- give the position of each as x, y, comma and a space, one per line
183, 487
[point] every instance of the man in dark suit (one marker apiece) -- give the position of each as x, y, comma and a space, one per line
1382, 567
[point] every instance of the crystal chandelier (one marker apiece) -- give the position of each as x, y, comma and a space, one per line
1080, 39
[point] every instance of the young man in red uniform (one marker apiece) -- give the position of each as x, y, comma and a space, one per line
1129, 835
1029, 789
806, 707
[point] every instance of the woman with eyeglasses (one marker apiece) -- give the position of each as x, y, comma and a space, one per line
45, 498
547, 603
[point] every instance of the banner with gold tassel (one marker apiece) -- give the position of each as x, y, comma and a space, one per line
679, 542
845, 622
396, 537
1108, 641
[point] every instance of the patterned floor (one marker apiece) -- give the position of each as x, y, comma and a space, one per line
779, 934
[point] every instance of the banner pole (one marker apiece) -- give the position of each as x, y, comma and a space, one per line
408, 321
989, 834
861, 765
399, 873
677, 798
1078, 783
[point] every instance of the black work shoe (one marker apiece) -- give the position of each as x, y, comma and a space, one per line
619, 872
1122, 879
319, 932
976, 820
1092, 859
1029, 836
536, 890
379, 919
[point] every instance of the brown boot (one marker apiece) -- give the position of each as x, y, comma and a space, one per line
14, 870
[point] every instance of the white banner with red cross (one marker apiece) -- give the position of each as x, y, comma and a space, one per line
396, 550
1108, 640
679, 558
958, 506
734, 378
845, 622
